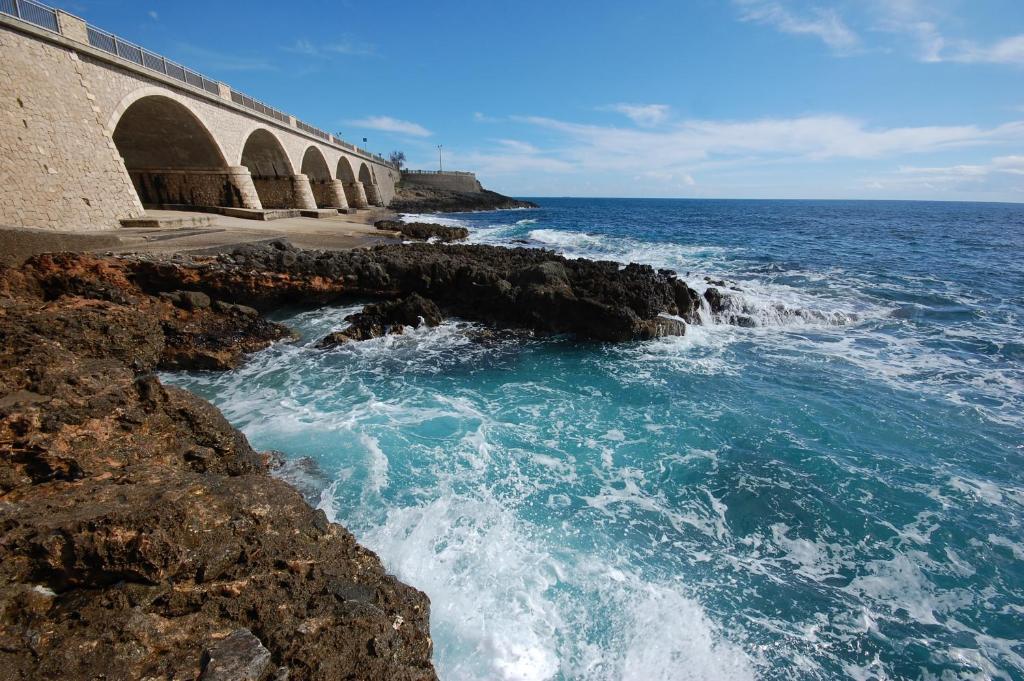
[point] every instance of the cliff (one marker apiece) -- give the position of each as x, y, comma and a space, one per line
141, 536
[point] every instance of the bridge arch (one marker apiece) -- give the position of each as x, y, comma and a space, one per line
354, 192
345, 172
321, 181
272, 172
369, 185
170, 154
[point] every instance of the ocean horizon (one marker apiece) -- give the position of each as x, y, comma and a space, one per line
822, 481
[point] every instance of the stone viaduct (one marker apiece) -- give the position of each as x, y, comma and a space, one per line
95, 128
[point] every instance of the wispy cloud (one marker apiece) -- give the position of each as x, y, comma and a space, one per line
389, 124
153, 15
922, 24
518, 146
642, 114
804, 138
1001, 175
826, 25
341, 47
220, 61
1006, 51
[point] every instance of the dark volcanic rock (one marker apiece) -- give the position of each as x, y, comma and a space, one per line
239, 657
382, 318
423, 230
419, 199
140, 534
716, 301
518, 288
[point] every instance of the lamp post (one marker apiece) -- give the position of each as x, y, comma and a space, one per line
440, 168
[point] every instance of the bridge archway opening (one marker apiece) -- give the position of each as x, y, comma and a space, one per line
172, 158
354, 192
314, 167
369, 185
345, 172
270, 168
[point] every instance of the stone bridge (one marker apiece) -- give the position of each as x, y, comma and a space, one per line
96, 128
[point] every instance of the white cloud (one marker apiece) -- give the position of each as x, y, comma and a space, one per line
349, 47
389, 124
922, 23
826, 25
1006, 51
805, 138
518, 146
153, 15
1001, 177
647, 115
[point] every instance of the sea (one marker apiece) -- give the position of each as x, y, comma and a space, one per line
836, 492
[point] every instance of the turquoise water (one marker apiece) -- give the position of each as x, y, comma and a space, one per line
835, 493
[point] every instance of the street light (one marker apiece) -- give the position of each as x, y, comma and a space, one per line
440, 168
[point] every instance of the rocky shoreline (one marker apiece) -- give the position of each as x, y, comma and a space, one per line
143, 537
419, 199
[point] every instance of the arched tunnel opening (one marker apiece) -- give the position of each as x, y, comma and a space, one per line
369, 185
172, 159
314, 167
270, 168
353, 189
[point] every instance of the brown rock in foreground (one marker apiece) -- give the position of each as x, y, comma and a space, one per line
140, 534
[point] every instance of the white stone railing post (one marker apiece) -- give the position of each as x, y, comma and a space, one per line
72, 28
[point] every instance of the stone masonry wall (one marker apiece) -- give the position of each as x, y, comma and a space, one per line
59, 170
62, 171
275, 192
189, 188
449, 181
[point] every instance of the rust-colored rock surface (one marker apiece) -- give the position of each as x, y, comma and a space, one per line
141, 537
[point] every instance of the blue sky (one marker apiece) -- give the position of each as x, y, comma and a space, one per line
909, 99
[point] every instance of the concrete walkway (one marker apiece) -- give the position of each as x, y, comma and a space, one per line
335, 232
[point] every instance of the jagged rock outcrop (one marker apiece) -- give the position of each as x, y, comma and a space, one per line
423, 231
383, 318
513, 287
140, 534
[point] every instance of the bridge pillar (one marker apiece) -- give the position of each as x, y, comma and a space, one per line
241, 180
356, 194
372, 194
336, 192
302, 193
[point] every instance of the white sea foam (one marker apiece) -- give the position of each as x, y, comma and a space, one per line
501, 608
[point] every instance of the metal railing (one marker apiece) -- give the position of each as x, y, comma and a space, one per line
108, 42
258, 106
436, 172
46, 17
316, 132
32, 12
